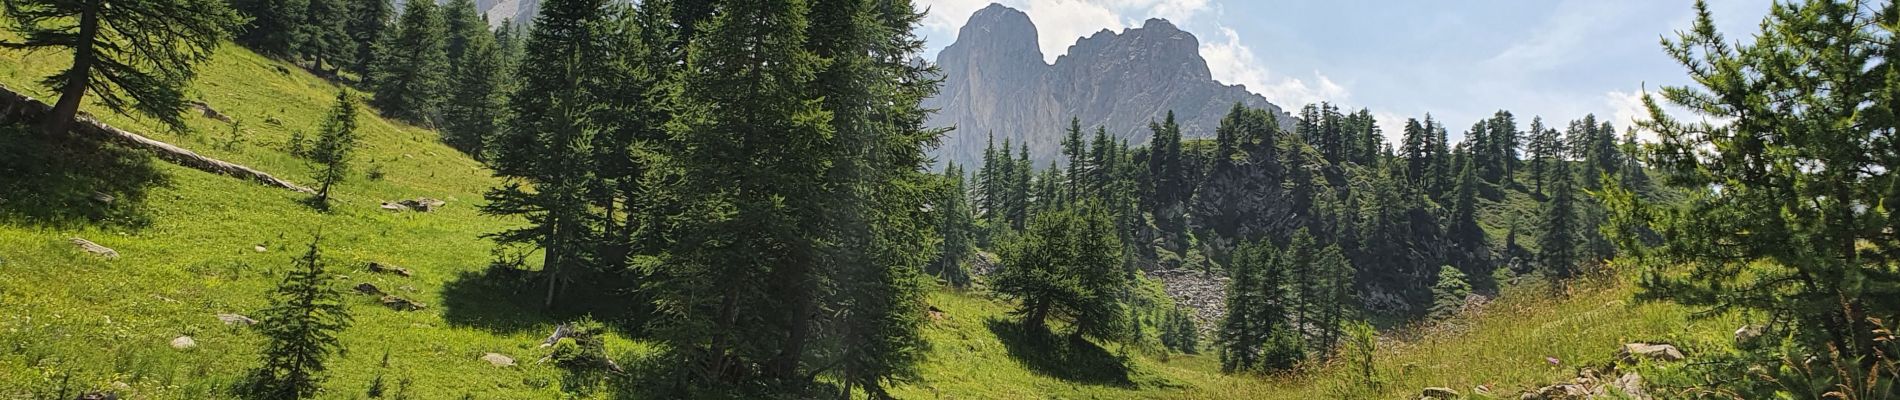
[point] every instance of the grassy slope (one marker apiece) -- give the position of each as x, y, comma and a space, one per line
74, 320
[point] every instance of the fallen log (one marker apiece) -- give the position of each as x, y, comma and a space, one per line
19, 107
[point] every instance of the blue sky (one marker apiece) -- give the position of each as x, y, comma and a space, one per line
1458, 60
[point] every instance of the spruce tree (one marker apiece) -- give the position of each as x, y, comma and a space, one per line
1463, 226
336, 141
300, 327
168, 38
1448, 295
1557, 253
275, 27
955, 226
325, 38
368, 21
470, 117
462, 25
410, 74
544, 152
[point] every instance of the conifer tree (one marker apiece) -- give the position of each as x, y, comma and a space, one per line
275, 27
954, 224
300, 327
1463, 224
1067, 264
545, 150
410, 74
336, 141
1448, 295
133, 55
368, 22
470, 117
1335, 297
1557, 253
462, 24
1076, 150
1793, 196
325, 38
1544, 149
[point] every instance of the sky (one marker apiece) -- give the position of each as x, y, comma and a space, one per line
1460, 61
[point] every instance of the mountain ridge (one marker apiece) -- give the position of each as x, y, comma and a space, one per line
995, 81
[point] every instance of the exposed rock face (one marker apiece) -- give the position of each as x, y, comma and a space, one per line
995, 80
1203, 293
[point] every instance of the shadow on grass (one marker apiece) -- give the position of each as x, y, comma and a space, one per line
510, 300
1067, 358
62, 181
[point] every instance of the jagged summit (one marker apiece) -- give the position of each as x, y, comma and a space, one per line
995, 81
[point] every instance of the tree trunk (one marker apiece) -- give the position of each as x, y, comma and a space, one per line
551, 261
77, 77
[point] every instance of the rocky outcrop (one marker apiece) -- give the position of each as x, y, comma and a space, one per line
995, 81
1204, 293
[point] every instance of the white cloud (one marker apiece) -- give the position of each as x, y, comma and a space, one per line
1234, 63
1627, 108
1392, 125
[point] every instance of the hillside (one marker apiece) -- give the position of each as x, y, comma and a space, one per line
189, 245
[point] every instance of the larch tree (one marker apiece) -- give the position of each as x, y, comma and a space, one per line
1792, 207
136, 55
336, 141
300, 330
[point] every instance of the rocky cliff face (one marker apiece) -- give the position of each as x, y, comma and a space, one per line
995, 81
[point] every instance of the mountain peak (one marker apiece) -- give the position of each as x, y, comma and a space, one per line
995, 81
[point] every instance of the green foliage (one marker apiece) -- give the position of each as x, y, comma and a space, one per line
324, 36
131, 54
1448, 295
1067, 265
1179, 332
302, 326
1258, 332
275, 27
471, 117
409, 74
1557, 253
336, 143
366, 24
957, 226
1792, 195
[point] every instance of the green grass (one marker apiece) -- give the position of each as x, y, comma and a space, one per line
73, 321
70, 320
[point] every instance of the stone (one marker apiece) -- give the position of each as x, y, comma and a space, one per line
394, 207
1631, 385
498, 360
1746, 335
424, 204
402, 304
209, 112
103, 199
236, 319
98, 396
382, 268
1438, 393
1658, 352
184, 343
369, 289
95, 248
260, 248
